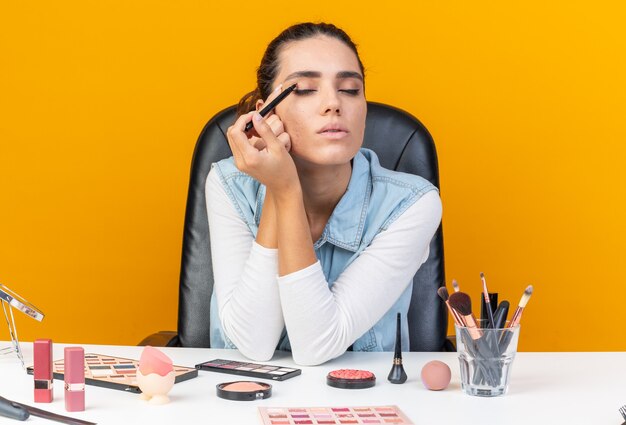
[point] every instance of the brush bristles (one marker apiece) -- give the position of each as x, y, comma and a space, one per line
484, 281
461, 302
455, 285
527, 293
443, 293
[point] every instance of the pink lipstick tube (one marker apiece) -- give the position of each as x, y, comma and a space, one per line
42, 370
74, 365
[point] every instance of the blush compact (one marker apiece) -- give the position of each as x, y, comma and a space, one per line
352, 379
244, 390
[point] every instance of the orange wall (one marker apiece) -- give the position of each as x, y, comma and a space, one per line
101, 104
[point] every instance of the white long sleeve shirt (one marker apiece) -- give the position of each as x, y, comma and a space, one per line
255, 304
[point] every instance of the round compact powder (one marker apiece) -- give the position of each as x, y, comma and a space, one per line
244, 390
244, 386
352, 379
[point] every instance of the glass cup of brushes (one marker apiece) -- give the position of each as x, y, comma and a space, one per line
486, 358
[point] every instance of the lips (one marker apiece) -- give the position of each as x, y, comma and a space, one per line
333, 130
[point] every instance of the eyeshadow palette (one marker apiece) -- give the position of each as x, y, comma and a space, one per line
255, 370
332, 415
115, 372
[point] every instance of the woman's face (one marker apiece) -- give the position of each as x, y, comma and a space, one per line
325, 116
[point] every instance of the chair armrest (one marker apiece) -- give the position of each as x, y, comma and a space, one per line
162, 339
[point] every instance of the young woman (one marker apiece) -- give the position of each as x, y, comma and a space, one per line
314, 244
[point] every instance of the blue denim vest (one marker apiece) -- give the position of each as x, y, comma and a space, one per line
375, 198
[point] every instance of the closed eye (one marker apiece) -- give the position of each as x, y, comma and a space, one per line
303, 92
351, 92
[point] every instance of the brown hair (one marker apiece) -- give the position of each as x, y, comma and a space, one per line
266, 73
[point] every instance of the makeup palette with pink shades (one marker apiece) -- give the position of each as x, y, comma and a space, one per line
115, 372
333, 415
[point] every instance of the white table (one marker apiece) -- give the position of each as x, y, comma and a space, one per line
545, 388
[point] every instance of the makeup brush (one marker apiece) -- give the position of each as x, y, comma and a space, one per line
479, 348
397, 375
517, 316
443, 294
462, 303
268, 108
505, 340
455, 285
499, 317
487, 301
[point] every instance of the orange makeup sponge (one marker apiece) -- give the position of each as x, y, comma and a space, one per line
436, 375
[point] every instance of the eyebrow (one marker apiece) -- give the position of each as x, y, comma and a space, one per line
316, 74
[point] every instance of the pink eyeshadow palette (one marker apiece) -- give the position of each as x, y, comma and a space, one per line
255, 370
115, 372
332, 415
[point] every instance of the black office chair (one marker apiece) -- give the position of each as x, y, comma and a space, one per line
401, 142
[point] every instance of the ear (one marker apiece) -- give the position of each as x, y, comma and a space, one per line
259, 105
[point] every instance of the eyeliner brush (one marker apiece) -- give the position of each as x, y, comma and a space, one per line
268, 108
487, 301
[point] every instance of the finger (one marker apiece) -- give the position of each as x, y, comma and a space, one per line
241, 122
275, 124
236, 130
285, 140
238, 140
258, 143
264, 130
230, 138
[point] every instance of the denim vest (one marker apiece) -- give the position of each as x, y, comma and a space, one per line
375, 198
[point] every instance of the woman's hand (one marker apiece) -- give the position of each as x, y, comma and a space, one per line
277, 128
266, 157
274, 122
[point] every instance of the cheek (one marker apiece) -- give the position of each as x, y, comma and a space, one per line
359, 117
294, 121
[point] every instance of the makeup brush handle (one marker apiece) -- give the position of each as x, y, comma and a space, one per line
500, 315
9, 409
492, 322
271, 105
487, 350
34, 411
482, 370
505, 341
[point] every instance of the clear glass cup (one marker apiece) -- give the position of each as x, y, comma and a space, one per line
486, 358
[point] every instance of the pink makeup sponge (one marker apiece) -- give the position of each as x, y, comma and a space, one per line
154, 361
436, 375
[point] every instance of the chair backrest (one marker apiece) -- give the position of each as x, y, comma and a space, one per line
401, 142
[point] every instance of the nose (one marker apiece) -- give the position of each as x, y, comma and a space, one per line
331, 104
